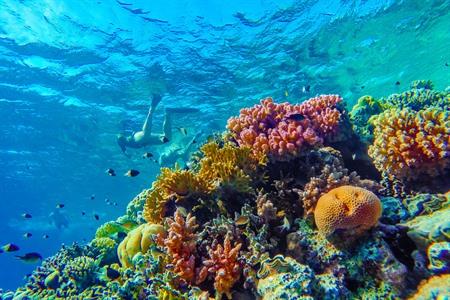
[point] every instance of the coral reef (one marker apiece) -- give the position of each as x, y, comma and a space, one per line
348, 210
275, 209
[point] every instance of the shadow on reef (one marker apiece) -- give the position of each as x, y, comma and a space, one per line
293, 201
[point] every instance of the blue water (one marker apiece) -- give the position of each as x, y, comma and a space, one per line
73, 74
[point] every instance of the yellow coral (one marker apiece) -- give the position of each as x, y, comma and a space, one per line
348, 208
407, 143
228, 165
138, 240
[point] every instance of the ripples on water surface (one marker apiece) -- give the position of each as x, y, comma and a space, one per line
74, 73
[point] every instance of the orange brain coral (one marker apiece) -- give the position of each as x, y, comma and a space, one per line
347, 208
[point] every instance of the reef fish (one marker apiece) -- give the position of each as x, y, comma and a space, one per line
26, 216
45, 236
59, 205
31, 258
164, 139
242, 220
110, 172
9, 248
112, 274
27, 235
295, 117
132, 173
183, 130
147, 155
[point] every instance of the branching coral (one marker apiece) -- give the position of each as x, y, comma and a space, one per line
408, 144
223, 265
348, 209
282, 130
364, 109
81, 270
181, 245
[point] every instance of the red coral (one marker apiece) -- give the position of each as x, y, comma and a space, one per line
223, 265
283, 129
181, 245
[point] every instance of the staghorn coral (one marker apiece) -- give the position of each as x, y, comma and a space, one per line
347, 209
223, 265
408, 144
283, 130
181, 245
436, 287
139, 240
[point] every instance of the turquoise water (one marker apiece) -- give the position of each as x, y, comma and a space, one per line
73, 74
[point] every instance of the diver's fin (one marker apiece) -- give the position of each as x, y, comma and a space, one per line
183, 110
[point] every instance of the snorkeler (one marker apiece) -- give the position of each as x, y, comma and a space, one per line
179, 155
145, 137
58, 219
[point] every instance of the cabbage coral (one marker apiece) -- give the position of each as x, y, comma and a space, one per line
282, 130
407, 143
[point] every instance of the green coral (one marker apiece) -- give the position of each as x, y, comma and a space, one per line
365, 108
82, 271
135, 207
421, 96
107, 248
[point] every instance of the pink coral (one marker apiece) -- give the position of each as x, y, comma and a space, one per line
281, 130
181, 245
223, 264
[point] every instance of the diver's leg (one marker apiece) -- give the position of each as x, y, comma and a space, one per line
147, 127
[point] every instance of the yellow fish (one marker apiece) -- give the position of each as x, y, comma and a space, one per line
286, 93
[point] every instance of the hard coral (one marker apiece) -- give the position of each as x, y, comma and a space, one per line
408, 144
283, 130
181, 245
328, 172
223, 264
139, 240
347, 208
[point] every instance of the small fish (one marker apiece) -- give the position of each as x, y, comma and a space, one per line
147, 155
110, 172
59, 205
183, 130
354, 156
31, 258
132, 173
281, 213
112, 274
114, 203
92, 197
170, 266
194, 142
26, 216
363, 86
286, 225
45, 236
106, 200
242, 220
446, 64
327, 14
121, 235
295, 117
83, 213
286, 94
397, 83
27, 235
96, 217
9, 248
306, 88
164, 139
